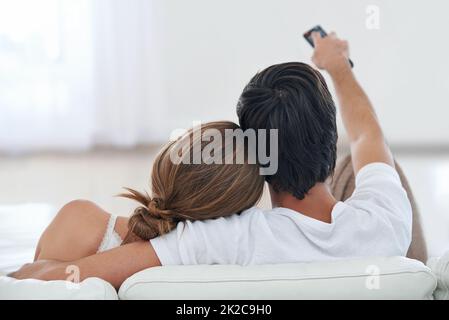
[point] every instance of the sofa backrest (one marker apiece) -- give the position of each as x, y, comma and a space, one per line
368, 278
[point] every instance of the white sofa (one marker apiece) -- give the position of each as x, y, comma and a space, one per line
371, 278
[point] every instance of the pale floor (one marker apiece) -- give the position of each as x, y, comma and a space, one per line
33, 188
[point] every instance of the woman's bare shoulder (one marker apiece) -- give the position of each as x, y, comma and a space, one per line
76, 231
85, 213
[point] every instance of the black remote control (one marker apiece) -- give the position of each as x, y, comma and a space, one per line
318, 28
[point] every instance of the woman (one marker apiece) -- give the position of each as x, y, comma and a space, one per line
180, 191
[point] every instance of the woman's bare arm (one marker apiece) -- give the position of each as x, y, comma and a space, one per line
114, 266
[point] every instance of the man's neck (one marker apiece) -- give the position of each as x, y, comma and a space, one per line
318, 203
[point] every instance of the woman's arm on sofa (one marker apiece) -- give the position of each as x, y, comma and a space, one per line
114, 266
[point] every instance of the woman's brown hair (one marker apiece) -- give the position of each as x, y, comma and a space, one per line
182, 191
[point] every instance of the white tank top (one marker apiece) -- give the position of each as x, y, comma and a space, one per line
111, 239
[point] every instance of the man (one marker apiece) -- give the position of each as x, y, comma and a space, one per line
308, 221
294, 98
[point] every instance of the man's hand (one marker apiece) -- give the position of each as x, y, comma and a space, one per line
330, 54
364, 132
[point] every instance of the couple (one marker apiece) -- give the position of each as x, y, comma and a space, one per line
205, 214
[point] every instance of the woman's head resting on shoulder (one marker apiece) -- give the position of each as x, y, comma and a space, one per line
204, 174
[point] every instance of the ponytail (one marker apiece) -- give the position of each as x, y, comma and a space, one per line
149, 220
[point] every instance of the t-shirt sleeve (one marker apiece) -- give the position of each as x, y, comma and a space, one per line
379, 192
201, 242
166, 248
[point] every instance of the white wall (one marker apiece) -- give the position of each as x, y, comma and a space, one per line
210, 49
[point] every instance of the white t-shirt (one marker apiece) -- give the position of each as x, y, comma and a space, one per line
375, 221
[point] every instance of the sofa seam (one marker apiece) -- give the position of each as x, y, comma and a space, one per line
280, 279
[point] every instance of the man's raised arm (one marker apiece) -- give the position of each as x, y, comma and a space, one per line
365, 134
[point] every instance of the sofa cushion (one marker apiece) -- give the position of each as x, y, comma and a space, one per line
371, 278
440, 268
30, 289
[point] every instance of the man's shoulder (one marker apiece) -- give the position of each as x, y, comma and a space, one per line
247, 215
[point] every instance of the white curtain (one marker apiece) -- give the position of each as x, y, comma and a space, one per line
74, 74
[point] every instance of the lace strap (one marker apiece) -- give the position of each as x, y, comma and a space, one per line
108, 233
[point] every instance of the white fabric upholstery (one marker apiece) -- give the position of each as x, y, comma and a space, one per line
89, 289
371, 278
440, 268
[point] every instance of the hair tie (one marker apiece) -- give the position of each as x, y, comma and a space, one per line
157, 203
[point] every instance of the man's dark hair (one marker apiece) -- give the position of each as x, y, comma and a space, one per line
293, 98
